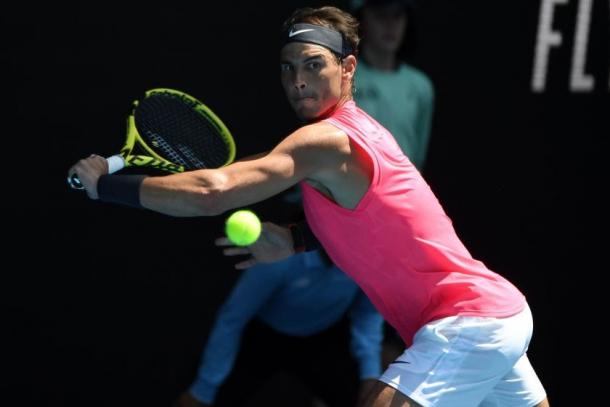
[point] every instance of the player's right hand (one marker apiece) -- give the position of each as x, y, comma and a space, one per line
89, 170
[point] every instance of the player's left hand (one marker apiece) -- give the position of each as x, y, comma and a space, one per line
274, 244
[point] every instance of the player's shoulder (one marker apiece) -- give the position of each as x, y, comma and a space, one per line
321, 134
321, 127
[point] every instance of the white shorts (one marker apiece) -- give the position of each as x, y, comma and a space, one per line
469, 361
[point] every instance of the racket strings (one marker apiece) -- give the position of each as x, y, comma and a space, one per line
172, 127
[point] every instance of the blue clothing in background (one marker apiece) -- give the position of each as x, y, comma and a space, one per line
300, 296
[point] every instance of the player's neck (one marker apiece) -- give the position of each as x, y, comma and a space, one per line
331, 111
381, 60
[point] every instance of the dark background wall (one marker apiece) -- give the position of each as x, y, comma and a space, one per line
100, 312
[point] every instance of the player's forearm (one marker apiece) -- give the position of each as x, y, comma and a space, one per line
211, 192
196, 193
214, 191
253, 156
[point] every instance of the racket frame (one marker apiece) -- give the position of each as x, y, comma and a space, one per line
153, 159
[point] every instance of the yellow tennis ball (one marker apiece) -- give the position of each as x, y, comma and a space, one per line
243, 227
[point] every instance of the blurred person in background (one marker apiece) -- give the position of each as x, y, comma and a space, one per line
396, 94
303, 317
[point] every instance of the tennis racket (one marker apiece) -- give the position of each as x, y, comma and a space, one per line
174, 132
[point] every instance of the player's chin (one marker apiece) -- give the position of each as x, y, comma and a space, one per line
306, 113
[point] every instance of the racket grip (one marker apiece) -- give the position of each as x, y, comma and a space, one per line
115, 163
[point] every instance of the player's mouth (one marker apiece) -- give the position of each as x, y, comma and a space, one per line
304, 99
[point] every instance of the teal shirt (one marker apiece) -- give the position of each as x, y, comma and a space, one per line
402, 101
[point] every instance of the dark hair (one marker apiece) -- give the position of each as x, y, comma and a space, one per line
330, 17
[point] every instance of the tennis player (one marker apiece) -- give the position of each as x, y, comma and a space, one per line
466, 328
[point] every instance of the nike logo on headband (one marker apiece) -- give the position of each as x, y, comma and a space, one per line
293, 33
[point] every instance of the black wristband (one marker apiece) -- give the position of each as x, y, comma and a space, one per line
121, 189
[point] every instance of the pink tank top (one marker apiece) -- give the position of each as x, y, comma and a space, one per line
399, 245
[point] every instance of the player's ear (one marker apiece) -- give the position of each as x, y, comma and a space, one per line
349, 67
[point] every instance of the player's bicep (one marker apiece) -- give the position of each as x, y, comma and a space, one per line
302, 155
248, 182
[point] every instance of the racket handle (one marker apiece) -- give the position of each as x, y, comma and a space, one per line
115, 163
